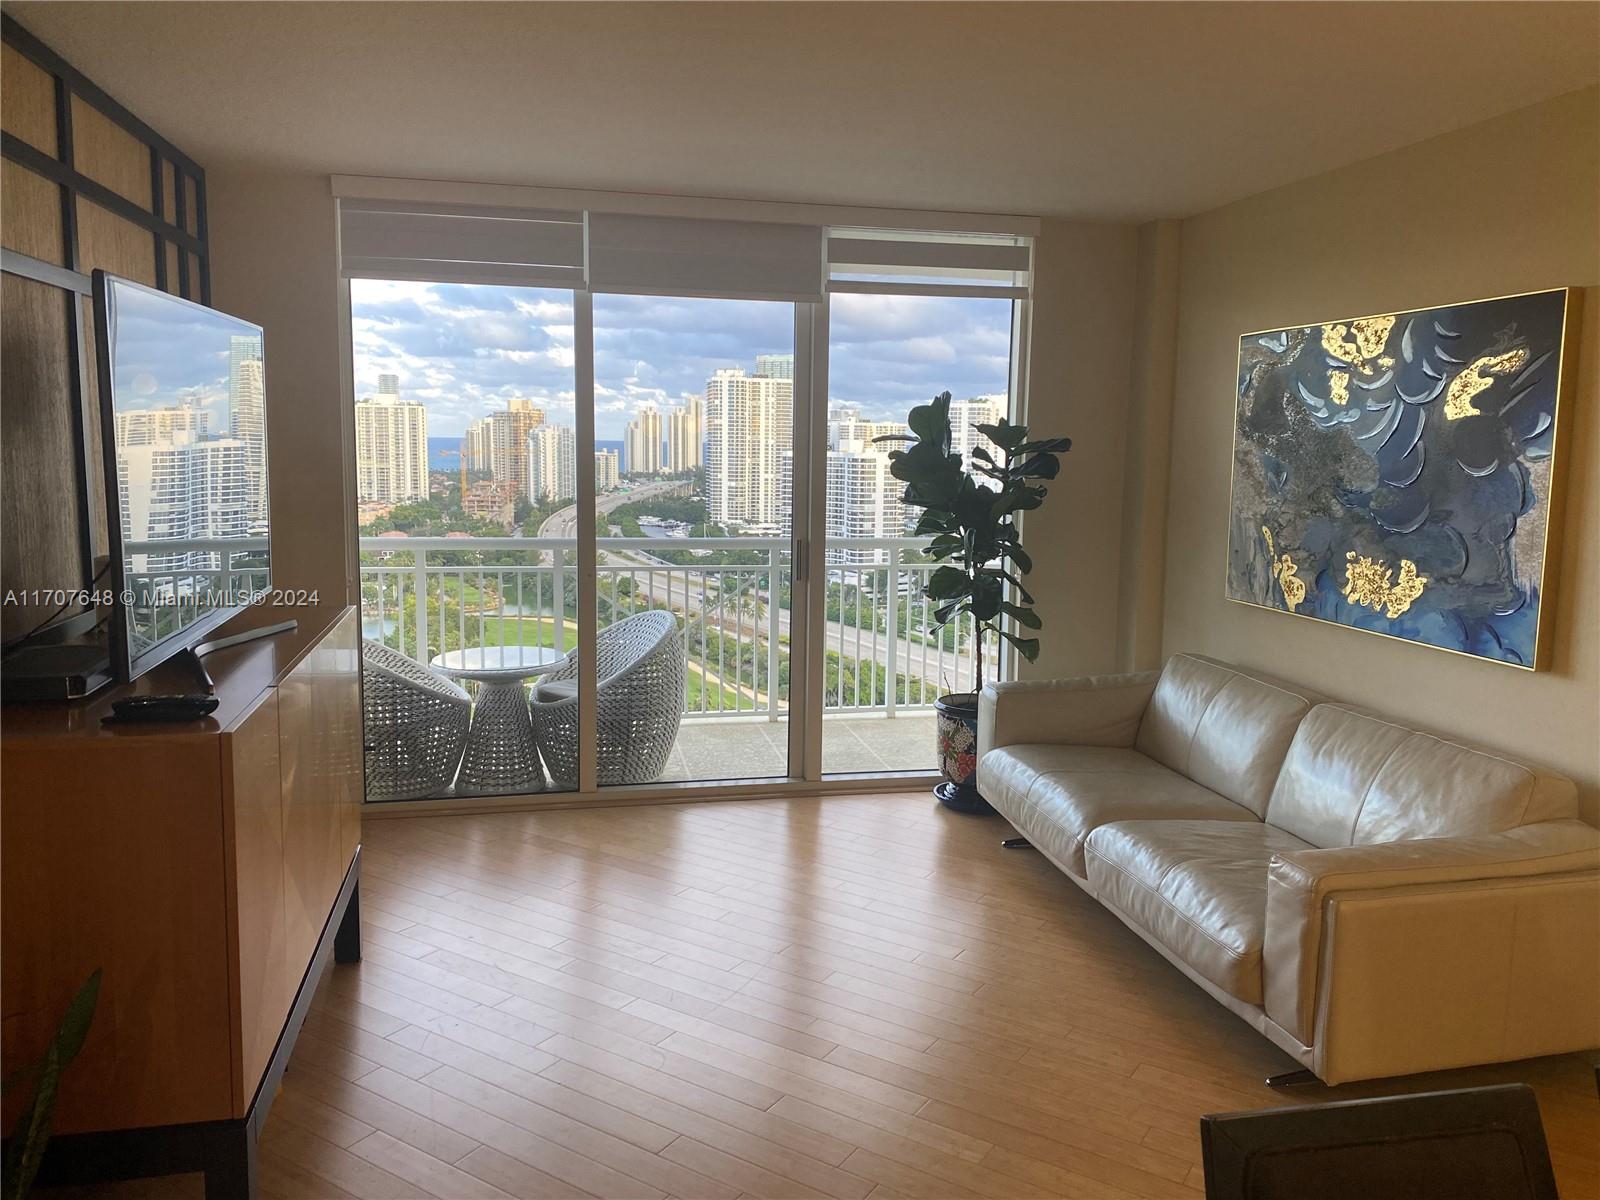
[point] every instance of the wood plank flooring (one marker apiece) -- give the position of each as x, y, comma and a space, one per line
849, 997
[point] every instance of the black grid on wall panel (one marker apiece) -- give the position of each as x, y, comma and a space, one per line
61, 169
69, 274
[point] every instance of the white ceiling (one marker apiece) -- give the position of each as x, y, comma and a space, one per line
1088, 110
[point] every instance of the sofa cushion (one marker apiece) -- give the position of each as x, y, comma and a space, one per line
1222, 727
1057, 795
1353, 778
1198, 888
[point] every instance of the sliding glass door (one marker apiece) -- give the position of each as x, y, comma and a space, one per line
469, 585
887, 658
625, 518
694, 409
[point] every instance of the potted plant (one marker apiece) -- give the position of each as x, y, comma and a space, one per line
971, 518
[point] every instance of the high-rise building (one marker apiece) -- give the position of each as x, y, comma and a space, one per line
748, 428
642, 442
964, 415
607, 471
391, 450
775, 366
845, 425
487, 500
864, 500
177, 488
552, 463
389, 385
498, 443
475, 445
142, 427
247, 416
686, 436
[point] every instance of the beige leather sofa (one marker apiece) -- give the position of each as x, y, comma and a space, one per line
1375, 899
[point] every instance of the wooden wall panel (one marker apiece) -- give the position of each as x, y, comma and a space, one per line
42, 543
107, 242
191, 205
36, 446
109, 154
169, 193
30, 214
27, 101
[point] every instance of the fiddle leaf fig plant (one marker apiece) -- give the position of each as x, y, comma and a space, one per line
973, 524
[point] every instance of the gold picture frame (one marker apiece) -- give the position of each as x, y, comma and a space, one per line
1402, 474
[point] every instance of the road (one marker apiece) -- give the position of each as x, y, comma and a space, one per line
674, 591
673, 588
564, 522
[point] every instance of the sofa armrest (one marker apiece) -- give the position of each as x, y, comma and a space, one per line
1301, 882
1091, 710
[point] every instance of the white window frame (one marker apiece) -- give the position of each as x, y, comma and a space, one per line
810, 440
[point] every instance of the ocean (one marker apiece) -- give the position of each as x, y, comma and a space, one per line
442, 452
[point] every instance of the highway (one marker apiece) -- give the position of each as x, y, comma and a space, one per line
564, 522
672, 589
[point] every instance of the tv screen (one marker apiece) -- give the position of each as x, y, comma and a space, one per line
183, 424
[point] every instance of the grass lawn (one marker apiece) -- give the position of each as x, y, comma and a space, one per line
699, 685
521, 631
525, 631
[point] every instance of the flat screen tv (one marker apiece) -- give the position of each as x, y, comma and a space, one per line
183, 426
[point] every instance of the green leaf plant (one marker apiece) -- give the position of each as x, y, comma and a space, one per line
972, 524
24, 1149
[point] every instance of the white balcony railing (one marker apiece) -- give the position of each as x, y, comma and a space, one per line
426, 595
176, 581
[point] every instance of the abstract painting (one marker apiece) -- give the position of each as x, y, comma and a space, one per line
1395, 473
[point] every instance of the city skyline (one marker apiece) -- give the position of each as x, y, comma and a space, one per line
464, 351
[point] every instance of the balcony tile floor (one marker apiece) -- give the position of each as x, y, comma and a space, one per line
753, 749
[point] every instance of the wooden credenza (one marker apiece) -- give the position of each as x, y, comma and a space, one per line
207, 870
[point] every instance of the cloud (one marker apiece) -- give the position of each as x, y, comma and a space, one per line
465, 350
168, 352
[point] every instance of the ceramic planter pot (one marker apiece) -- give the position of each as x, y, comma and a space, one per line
957, 718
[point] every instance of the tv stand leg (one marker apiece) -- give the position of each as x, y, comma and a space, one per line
347, 938
230, 1162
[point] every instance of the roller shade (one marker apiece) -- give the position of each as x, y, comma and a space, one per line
669, 255
968, 264
397, 240
748, 260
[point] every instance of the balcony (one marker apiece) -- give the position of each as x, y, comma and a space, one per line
885, 662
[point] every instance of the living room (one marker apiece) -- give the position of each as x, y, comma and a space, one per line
896, 768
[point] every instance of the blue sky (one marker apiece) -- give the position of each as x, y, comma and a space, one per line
170, 353
465, 350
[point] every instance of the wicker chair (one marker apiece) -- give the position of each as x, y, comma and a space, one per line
640, 686
416, 725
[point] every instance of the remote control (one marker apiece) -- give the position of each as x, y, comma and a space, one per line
151, 709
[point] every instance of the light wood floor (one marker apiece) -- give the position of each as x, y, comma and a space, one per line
850, 997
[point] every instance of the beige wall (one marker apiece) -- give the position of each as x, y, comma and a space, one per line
274, 255
1508, 206
1148, 460
1082, 343
274, 262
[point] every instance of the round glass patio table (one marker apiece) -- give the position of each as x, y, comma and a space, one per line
501, 755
